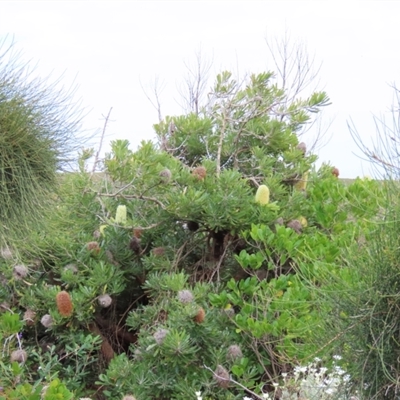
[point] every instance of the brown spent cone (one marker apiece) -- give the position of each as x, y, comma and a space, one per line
134, 245
20, 272
137, 232
200, 316
19, 356
295, 225
47, 321
165, 175
29, 317
104, 300
302, 147
200, 173
64, 304
234, 352
335, 172
221, 375
93, 247
158, 251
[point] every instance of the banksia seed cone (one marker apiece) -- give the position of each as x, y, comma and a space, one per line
302, 183
19, 356
64, 304
20, 272
93, 247
137, 232
295, 225
120, 215
185, 296
159, 335
158, 251
165, 175
200, 316
302, 147
134, 245
262, 195
335, 172
29, 317
221, 375
46, 321
200, 173
104, 300
234, 352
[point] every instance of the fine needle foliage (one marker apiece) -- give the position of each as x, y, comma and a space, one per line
38, 125
190, 265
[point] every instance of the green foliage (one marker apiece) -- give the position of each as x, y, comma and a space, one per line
365, 315
174, 269
37, 125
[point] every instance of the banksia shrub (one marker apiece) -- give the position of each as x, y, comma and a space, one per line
64, 304
200, 316
104, 300
221, 375
262, 195
200, 173
19, 356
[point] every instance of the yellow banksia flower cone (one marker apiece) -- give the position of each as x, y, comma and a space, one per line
302, 183
120, 216
303, 221
262, 195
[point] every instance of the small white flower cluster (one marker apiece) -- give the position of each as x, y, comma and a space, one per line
314, 382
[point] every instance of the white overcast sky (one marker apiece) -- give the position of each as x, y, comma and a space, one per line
110, 48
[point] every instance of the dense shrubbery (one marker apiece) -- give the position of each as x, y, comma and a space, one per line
168, 276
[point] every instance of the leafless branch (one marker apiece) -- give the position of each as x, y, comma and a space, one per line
384, 152
154, 98
192, 91
133, 196
96, 159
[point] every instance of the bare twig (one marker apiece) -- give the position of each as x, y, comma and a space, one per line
133, 196
96, 159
